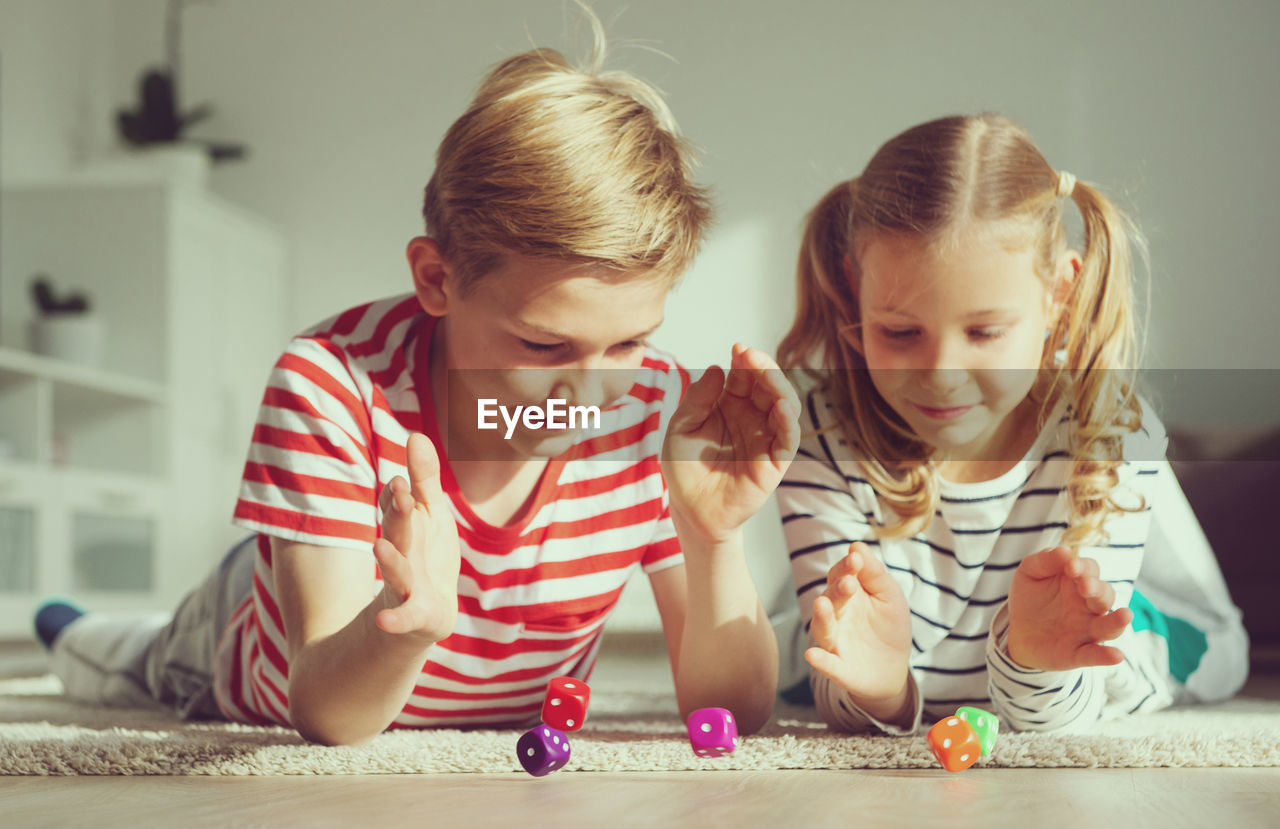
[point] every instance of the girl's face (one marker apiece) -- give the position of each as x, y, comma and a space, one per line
953, 339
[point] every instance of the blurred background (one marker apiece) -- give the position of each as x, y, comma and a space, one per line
1169, 106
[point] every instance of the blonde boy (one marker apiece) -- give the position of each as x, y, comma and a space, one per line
560, 213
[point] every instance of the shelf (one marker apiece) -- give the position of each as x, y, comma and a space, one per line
83, 377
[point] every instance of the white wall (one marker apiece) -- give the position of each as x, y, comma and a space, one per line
1170, 106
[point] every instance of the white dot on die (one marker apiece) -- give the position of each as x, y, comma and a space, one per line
706, 727
946, 743
982, 721
964, 757
529, 752
569, 685
546, 733
568, 722
555, 740
952, 721
556, 701
964, 716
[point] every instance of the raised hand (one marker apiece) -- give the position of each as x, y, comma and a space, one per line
729, 443
1060, 612
418, 552
861, 629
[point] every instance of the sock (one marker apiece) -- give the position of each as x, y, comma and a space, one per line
52, 617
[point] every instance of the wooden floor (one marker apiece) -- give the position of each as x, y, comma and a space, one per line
988, 798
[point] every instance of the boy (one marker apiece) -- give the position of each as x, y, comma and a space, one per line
558, 217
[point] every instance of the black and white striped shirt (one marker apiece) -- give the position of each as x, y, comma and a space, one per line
956, 573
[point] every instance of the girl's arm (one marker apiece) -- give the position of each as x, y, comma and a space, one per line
821, 519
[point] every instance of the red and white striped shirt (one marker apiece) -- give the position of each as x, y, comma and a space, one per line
532, 597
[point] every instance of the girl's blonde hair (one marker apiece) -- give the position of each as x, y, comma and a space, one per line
933, 180
572, 163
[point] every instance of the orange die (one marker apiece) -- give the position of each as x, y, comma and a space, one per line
954, 742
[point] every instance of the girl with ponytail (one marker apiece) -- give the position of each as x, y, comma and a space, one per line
981, 501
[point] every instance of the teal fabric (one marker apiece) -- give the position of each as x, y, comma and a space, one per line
1187, 644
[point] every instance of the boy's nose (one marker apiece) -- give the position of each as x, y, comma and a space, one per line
583, 387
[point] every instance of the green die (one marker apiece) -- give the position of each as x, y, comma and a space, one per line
985, 724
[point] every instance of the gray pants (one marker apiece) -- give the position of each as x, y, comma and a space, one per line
156, 659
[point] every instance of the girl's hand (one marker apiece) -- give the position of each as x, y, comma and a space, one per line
1059, 612
862, 630
418, 552
729, 443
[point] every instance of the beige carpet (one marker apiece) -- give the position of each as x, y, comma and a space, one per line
43, 733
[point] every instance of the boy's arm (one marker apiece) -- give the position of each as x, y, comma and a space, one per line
348, 678
725, 449
354, 661
722, 647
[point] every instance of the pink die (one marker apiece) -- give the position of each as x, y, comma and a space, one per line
565, 705
712, 732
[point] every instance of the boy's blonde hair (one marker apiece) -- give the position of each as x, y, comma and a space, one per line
934, 180
576, 164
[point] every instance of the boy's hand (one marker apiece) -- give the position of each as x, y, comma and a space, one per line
1059, 612
729, 443
418, 552
862, 630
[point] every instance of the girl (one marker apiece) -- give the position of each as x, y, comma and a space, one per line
982, 501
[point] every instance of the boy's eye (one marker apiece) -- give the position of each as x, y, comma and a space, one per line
541, 348
631, 345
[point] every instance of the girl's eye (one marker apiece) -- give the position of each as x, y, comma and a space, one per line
899, 333
987, 333
541, 348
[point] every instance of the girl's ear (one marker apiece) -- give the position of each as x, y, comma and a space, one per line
1064, 279
432, 275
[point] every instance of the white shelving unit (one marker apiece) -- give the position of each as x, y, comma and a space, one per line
117, 480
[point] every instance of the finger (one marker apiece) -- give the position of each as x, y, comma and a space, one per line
786, 433
397, 513
776, 379
741, 377
873, 576
424, 471
1046, 563
698, 402
1083, 567
393, 566
402, 619
823, 625
1090, 655
1108, 627
1098, 595
825, 662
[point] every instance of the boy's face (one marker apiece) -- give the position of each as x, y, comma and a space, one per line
535, 329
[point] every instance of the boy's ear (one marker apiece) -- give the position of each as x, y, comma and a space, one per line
432, 275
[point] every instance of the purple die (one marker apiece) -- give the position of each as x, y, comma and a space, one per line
542, 750
712, 732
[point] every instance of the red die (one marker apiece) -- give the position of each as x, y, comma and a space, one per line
565, 706
954, 742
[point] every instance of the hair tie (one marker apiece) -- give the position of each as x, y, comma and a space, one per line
1066, 184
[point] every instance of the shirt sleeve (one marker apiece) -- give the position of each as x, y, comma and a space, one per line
1073, 700
309, 476
821, 517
